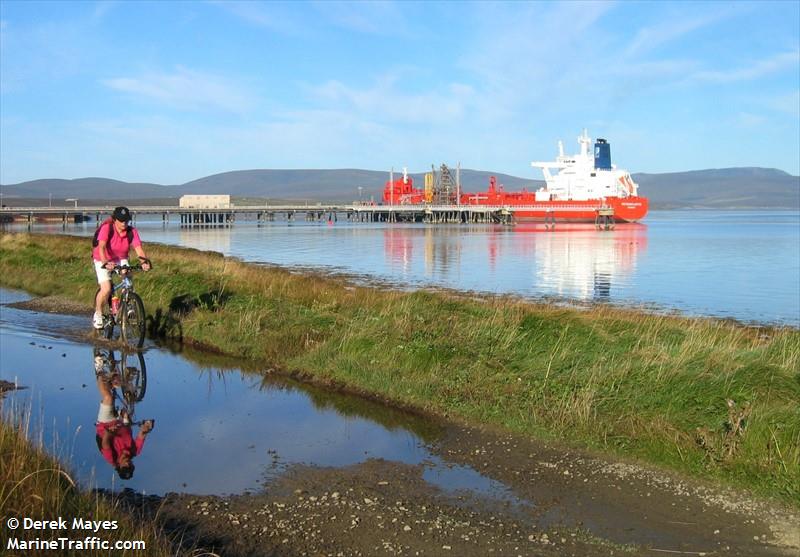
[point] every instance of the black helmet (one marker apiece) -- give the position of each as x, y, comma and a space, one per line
126, 473
121, 214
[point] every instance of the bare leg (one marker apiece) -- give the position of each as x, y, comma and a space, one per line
102, 296
106, 396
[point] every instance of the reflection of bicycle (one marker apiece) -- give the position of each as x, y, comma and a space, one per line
125, 309
127, 378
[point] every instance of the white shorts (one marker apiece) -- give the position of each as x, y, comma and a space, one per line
107, 413
103, 274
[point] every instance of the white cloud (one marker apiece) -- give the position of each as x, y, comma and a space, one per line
788, 103
42, 52
385, 101
522, 56
267, 15
750, 120
102, 8
382, 18
186, 89
651, 37
759, 68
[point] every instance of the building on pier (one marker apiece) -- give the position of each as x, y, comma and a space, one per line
196, 201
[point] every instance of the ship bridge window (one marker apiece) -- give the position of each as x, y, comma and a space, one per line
594, 174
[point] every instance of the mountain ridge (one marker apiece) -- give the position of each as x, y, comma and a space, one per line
738, 187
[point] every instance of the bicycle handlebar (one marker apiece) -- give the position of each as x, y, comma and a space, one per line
119, 268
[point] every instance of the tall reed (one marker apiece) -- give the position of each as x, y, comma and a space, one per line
34, 485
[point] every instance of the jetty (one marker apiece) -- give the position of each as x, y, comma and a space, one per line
355, 212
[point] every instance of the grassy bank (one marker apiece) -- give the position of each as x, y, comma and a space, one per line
654, 387
33, 485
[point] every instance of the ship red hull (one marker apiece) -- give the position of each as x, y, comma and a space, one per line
627, 209
524, 205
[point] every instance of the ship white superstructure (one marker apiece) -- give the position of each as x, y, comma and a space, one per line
585, 175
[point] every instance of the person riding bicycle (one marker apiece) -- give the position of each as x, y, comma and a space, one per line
113, 431
115, 237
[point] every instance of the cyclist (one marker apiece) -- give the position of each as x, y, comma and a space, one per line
113, 240
113, 432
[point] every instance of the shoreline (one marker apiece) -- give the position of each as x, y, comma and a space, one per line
627, 290
546, 363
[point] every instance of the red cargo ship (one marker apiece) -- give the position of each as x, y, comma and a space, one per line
586, 187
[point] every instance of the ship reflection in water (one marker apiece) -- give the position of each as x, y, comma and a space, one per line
585, 264
575, 261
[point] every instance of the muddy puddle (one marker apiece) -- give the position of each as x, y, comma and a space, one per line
218, 430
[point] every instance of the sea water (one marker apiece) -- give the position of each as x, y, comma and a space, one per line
743, 265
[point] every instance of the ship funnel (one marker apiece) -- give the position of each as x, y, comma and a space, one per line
602, 155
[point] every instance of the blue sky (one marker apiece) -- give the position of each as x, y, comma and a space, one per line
168, 92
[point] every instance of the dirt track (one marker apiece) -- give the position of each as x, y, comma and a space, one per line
563, 503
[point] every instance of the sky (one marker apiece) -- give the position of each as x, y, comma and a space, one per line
168, 92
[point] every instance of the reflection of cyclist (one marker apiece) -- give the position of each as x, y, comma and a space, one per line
113, 430
113, 240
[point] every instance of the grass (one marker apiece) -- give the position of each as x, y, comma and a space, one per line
654, 387
33, 485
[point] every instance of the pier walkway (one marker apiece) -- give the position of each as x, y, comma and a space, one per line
354, 212
227, 216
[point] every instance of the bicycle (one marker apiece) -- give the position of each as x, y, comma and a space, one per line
127, 379
128, 312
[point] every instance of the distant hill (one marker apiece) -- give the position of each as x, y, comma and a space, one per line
718, 188
84, 188
331, 185
722, 188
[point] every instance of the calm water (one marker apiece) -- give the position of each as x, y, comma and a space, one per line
219, 430
744, 265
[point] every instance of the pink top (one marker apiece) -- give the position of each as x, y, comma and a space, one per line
122, 440
117, 249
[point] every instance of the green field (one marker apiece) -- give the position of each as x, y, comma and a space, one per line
626, 382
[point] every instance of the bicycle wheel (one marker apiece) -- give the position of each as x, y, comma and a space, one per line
133, 320
108, 327
134, 376
103, 361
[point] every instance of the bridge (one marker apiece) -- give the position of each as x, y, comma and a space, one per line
355, 212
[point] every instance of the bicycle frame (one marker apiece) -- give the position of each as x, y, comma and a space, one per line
123, 287
132, 380
133, 309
